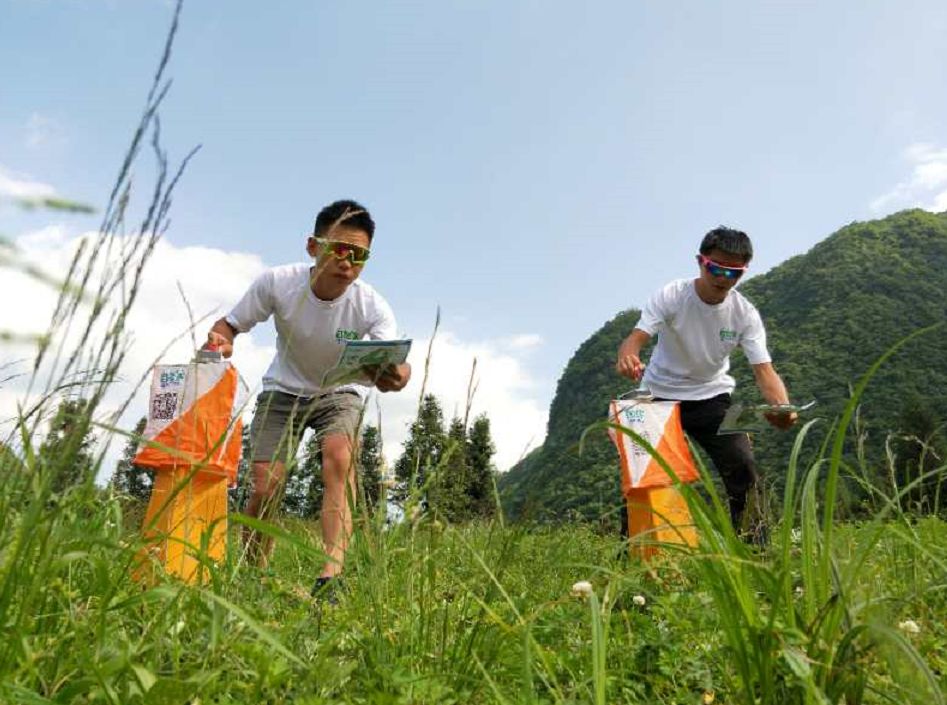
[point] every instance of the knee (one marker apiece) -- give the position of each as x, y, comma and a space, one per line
267, 480
745, 464
738, 468
336, 460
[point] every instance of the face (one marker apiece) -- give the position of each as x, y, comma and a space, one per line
332, 270
718, 283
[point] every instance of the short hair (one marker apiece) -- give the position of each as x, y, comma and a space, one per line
733, 242
344, 213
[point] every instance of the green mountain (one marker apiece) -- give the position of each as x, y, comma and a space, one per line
829, 313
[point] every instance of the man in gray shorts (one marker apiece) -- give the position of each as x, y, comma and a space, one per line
316, 307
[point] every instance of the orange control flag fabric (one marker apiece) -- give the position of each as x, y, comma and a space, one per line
194, 419
659, 423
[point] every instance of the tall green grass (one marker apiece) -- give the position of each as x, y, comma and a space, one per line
432, 614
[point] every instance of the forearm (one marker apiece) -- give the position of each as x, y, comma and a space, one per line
633, 343
770, 384
774, 391
628, 363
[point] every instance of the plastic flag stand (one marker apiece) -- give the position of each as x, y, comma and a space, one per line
657, 512
192, 441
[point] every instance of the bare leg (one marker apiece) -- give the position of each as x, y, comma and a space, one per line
264, 500
338, 500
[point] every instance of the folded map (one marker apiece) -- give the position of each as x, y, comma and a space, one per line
750, 418
360, 359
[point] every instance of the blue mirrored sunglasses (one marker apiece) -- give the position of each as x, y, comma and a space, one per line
715, 269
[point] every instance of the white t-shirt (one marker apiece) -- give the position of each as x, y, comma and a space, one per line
310, 332
695, 339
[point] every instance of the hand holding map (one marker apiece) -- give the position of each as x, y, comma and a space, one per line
362, 361
750, 418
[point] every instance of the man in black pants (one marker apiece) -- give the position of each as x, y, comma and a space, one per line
698, 323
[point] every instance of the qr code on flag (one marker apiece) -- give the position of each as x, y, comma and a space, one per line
163, 406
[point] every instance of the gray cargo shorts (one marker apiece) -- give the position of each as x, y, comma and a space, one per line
280, 419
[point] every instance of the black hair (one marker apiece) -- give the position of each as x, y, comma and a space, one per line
733, 242
344, 213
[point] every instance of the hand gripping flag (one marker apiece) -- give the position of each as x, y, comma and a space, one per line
659, 423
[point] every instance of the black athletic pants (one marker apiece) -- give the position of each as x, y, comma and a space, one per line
731, 454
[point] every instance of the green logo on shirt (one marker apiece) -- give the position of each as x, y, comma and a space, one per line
342, 334
727, 335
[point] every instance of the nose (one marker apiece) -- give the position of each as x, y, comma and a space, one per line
344, 264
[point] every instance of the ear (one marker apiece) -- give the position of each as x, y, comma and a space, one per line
312, 247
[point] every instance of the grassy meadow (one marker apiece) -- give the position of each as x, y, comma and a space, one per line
483, 613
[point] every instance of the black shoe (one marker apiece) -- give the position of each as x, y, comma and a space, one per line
325, 588
757, 537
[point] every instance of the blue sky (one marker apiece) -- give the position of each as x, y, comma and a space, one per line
534, 168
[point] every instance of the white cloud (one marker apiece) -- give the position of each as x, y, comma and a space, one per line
504, 391
212, 281
525, 341
19, 186
925, 188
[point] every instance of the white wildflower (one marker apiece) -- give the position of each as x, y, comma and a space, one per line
639, 600
909, 626
583, 588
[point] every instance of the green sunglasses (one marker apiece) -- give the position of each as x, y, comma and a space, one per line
344, 250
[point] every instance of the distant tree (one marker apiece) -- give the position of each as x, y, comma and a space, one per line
482, 474
423, 449
302, 496
295, 492
309, 474
370, 465
129, 479
66, 453
447, 489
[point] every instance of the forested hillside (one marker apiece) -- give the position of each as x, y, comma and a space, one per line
829, 313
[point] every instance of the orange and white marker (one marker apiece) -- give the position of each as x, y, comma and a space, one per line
192, 440
657, 513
